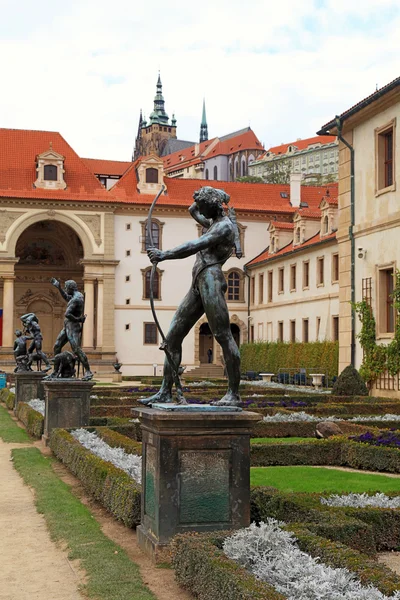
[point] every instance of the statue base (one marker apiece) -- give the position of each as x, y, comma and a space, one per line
195, 472
28, 386
67, 404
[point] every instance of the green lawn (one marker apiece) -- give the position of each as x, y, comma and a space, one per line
319, 479
9, 430
285, 440
111, 575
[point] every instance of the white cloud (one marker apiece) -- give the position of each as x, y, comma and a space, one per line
86, 68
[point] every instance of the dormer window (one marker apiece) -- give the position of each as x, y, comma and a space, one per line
325, 227
297, 235
50, 170
272, 245
151, 175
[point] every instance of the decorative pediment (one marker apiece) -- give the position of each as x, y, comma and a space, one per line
50, 170
150, 174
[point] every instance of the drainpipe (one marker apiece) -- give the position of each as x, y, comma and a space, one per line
352, 241
248, 303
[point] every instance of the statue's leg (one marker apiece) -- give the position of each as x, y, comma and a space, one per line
212, 286
41, 354
187, 314
74, 337
61, 340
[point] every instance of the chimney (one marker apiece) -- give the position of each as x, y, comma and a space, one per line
295, 189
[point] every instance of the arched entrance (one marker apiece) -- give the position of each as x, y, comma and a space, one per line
236, 333
45, 249
206, 341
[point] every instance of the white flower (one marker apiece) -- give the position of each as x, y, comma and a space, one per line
362, 500
38, 405
130, 463
387, 417
272, 555
295, 417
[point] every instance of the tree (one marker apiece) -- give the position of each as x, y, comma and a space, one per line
277, 171
250, 179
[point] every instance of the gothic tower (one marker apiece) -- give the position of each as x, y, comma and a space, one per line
153, 136
203, 126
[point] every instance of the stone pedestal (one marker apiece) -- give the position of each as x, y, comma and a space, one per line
28, 386
67, 404
195, 472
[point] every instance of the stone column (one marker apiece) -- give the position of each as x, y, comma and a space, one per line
8, 311
100, 312
88, 327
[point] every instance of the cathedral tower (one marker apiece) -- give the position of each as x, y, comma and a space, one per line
203, 126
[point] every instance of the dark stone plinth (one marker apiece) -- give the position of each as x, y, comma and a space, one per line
195, 473
67, 404
28, 386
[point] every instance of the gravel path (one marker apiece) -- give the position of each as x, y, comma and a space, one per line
32, 566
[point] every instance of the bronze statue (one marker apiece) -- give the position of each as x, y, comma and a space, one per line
32, 327
73, 323
21, 353
207, 293
64, 366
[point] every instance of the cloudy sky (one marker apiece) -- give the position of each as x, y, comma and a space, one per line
85, 68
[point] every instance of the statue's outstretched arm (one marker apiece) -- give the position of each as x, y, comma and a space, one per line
188, 248
56, 284
197, 216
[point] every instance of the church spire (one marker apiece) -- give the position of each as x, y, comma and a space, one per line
159, 115
203, 126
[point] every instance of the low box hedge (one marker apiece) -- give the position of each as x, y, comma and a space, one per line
116, 439
302, 428
8, 398
111, 486
32, 419
202, 568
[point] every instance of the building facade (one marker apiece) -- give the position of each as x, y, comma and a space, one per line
315, 158
369, 221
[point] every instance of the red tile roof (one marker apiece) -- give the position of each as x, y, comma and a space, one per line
281, 225
18, 151
313, 241
300, 144
308, 213
99, 166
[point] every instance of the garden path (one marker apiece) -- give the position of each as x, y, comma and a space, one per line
32, 566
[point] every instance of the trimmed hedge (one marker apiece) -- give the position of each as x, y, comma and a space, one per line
301, 429
202, 568
117, 440
8, 398
269, 357
32, 419
350, 382
111, 486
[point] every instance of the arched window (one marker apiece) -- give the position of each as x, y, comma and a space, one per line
50, 172
146, 273
215, 173
243, 168
155, 232
151, 175
235, 286
326, 224
297, 235
272, 245
207, 176
237, 171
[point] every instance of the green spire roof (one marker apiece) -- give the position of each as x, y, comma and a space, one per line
203, 126
159, 116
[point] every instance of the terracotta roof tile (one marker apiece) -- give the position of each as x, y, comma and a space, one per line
301, 144
313, 241
281, 225
99, 166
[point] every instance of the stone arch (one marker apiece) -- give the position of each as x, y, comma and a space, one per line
242, 327
234, 319
19, 227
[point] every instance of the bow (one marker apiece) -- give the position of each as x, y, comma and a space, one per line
164, 344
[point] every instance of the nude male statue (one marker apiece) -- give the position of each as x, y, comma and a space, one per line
73, 321
32, 327
20, 352
207, 293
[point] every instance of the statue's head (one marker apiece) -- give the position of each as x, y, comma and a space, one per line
71, 286
28, 318
18, 332
210, 201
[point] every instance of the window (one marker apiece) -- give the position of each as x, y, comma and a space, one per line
335, 267
235, 287
127, 278
156, 284
50, 173
127, 301
270, 285
306, 274
318, 327
335, 328
150, 333
252, 333
320, 271
280, 331
385, 301
156, 231
207, 176
281, 274
243, 168
292, 331
325, 227
384, 151
252, 289
297, 235
215, 173
261, 289
292, 278
305, 330
128, 226
127, 252
151, 175
127, 326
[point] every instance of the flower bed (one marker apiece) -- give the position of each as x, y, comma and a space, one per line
273, 555
362, 501
381, 438
38, 405
31, 418
110, 485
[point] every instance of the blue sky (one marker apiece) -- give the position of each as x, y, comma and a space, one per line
85, 68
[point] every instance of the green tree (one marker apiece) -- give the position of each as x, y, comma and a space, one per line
250, 179
277, 171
